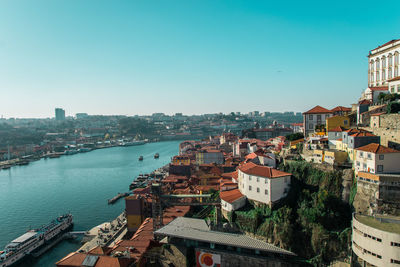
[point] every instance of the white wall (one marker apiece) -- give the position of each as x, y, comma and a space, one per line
368, 162
235, 205
270, 190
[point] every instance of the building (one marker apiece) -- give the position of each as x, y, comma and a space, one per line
262, 183
384, 63
209, 156
376, 240
137, 208
315, 117
297, 127
394, 85
375, 158
340, 110
192, 242
337, 121
267, 133
60, 114
231, 200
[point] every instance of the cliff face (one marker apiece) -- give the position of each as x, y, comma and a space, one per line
314, 219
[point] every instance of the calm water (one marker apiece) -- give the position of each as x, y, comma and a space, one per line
32, 195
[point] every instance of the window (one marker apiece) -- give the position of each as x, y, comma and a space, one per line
266, 191
258, 179
380, 168
266, 181
249, 187
369, 156
395, 244
394, 261
381, 157
310, 117
249, 177
345, 122
258, 190
364, 166
392, 89
358, 163
361, 154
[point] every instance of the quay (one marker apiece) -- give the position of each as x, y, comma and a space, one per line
105, 234
117, 197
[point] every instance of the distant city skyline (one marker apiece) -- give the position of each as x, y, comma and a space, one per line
193, 57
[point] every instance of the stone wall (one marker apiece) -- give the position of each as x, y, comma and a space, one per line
388, 130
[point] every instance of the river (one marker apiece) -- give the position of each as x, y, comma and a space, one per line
35, 194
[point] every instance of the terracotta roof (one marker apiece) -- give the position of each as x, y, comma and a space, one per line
385, 44
377, 149
233, 175
340, 108
230, 196
394, 79
297, 124
379, 88
362, 134
337, 129
378, 114
317, 110
364, 102
263, 171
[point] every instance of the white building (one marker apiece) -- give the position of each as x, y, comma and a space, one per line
376, 240
384, 63
375, 158
262, 183
394, 85
315, 117
232, 200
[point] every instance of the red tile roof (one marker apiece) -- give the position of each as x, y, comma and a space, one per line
317, 110
385, 44
340, 108
362, 134
378, 114
394, 79
337, 129
231, 196
364, 102
263, 171
377, 149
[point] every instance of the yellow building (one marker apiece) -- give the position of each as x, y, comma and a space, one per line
335, 157
335, 121
181, 160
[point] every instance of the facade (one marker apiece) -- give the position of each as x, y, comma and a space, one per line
263, 184
376, 240
231, 200
297, 127
210, 156
375, 158
60, 114
362, 107
341, 111
384, 63
315, 117
372, 93
267, 133
337, 121
137, 209
394, 85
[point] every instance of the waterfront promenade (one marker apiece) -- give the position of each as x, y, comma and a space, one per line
81, 184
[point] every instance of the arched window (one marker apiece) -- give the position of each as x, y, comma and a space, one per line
377, 64
383, 60
390, 73
377, 76
396, 58
383, 75
390, 60
396, 71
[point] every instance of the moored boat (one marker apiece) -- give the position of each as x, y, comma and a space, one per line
141, 158
156, 156
33, 240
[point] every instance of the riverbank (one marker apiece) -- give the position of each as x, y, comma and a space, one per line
80, 185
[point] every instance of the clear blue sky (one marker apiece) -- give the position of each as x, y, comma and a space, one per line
139, 57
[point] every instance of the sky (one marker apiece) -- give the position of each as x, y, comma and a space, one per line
205, 56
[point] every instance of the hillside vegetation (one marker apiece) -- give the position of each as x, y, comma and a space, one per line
312, 221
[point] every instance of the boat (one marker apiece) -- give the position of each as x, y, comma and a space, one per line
34, 239
156, 156
132, 143
141, 158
